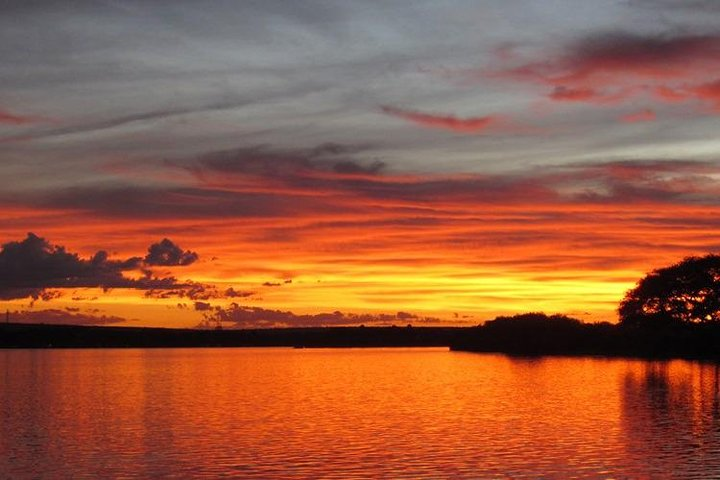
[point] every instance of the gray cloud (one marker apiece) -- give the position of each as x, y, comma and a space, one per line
258, 182
167, 254
705, 6
232, 293
63, 317
240, 316
35, 268
202, 306
112, 123
264, 161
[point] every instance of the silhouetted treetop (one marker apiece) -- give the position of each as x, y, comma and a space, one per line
533, 321
686, 292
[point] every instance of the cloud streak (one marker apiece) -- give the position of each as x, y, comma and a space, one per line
646, 115
110, 123
9, 118
241, 316
54, 316
444, 122
616, 67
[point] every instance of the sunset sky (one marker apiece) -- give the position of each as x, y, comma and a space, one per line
272, 163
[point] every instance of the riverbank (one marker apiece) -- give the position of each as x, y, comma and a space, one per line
17, 335
529, 335
537, 334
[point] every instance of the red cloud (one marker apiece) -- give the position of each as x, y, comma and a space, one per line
573, 94
8, 118
614, 68
709, 92
646, 115
447, 122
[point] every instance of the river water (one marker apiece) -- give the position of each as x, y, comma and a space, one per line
353, 413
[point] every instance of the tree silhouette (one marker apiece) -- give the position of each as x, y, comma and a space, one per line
683, 293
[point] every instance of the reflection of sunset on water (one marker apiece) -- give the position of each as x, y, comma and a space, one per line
403, 413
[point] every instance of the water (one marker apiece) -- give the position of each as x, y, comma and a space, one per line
380, 413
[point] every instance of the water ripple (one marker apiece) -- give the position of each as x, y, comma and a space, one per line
332, 414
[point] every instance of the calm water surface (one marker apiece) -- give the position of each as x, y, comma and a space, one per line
380, 413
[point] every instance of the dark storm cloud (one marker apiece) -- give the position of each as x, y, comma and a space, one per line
35, 268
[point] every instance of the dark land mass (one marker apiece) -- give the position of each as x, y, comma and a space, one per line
533, 334
523, 335
17, 335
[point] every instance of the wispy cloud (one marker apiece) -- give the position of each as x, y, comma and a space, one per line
647, 115
615, 67
10, 118
109, 123
446, 122
56, 316
241, 316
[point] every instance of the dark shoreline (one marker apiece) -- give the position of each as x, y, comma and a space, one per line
17, 335
541, 339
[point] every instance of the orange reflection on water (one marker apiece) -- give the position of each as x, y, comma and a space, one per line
393, 413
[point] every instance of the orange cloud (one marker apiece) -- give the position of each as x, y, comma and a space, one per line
646, 115
446, 122
570, 238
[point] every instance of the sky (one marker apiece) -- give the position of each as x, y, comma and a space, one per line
298, 163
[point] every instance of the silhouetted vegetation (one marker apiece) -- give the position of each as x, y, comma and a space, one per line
526, 334
687, 292
537, 334
672, 312
17, 335
540, 334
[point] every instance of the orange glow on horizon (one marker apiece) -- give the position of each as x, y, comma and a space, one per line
461, 263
